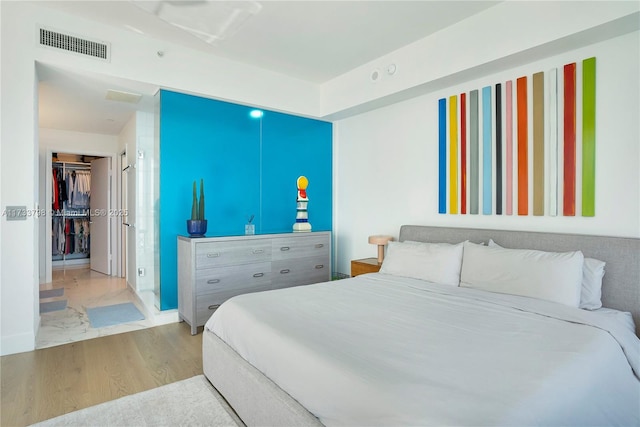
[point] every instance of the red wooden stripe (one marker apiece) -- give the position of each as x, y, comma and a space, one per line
523, 148
569, 198
463, 153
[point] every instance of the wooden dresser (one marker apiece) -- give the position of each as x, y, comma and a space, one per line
213, 269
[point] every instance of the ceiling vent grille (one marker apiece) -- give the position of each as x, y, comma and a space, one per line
70, 43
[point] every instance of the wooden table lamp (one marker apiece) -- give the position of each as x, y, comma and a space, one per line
381, 241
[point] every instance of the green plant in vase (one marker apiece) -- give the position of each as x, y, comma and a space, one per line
197, 225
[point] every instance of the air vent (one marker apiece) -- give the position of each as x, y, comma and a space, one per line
74, 44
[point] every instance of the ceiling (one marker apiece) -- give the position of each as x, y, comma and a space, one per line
309, 40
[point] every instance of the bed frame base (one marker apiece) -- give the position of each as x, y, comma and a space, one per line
257, 400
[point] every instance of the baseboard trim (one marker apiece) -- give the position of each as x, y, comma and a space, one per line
18, 343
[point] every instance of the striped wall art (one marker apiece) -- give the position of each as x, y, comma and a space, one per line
522, 147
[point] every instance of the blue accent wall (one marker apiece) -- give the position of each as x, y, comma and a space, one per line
248, 165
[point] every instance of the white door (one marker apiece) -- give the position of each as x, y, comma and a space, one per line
99, 204
131, 227
124, 223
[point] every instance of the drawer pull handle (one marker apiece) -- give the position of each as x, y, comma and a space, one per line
284, 248
320, 245
285, 271
213, 306
258, 251
212, 281
213, 255
319, 266
258, 275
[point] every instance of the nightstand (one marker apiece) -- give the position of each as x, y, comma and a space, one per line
362, 266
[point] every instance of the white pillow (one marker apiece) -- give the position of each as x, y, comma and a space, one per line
434, 262
592, 274
551, 276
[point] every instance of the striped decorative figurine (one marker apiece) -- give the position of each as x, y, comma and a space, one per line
302, 216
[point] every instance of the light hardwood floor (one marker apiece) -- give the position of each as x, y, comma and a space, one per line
45, 383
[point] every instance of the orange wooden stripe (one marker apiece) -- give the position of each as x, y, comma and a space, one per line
523, 148
569, 198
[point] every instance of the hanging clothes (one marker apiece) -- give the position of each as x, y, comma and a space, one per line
78, 185
71, 191
59, 189
56, 196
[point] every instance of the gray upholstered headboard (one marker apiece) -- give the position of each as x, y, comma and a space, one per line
621, 283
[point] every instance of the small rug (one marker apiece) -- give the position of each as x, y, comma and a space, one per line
110, 315
46, 307
51, 293
190, 402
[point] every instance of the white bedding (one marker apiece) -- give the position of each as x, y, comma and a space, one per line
384, 350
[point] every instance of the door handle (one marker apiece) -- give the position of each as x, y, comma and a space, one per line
285, 271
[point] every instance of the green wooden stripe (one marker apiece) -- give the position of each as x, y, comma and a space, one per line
589, 137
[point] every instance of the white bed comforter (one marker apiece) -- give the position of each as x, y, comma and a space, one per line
385, 350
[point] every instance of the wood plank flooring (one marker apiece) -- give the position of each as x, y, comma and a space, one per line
45, 383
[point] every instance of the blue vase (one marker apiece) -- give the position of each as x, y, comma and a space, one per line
196, 227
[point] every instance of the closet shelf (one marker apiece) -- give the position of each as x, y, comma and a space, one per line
68, 215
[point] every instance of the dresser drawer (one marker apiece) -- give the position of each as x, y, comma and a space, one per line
232, 277
207, 304
302, 271
300, 247
216, 254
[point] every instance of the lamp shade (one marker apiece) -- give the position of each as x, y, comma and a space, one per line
381, 241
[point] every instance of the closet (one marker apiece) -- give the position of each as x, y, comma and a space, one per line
70, 219
81, 213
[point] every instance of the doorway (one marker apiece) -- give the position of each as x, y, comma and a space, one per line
78, 226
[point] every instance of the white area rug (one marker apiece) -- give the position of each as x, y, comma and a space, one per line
190, 402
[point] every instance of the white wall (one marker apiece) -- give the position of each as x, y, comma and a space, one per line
19, 317
386, 160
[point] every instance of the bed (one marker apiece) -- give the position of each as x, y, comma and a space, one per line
386, 349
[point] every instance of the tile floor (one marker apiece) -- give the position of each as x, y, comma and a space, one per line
87, 288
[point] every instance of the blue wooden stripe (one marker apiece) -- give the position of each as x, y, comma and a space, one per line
486, 150
442, 156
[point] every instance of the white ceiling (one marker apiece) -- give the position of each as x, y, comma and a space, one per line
309, 40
